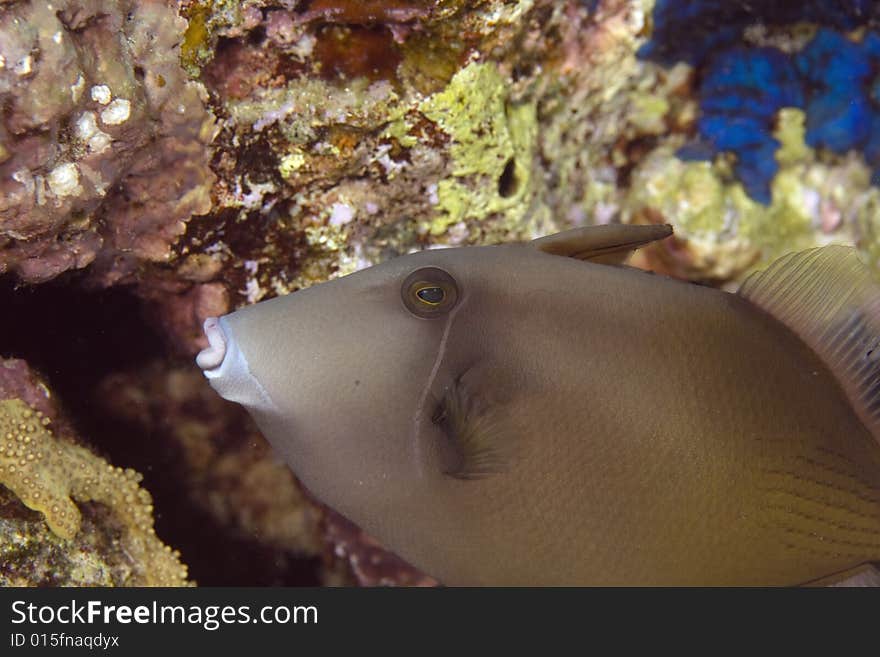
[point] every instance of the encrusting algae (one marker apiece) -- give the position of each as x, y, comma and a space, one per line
48, 474
492, 147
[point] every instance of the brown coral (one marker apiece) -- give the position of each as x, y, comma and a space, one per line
371, 564
103, 139
367, 11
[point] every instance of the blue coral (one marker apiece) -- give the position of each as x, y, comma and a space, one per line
838, 73
741, 94
690, 30
833, 79
591, 5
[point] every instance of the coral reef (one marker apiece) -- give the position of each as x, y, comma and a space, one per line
741, 93
18, 381
343, 160
492, 145
690, 31
46, 473
722, 233
370, 563
743, 87
326, 160
103, 142
207, 155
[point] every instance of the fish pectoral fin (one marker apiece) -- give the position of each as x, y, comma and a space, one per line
610, 244
475, 433
867, 574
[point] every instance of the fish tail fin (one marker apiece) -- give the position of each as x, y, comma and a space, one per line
831, 300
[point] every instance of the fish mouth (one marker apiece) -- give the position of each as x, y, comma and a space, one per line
211, 358
225, 366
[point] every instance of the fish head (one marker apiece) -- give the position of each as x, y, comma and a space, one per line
345, 377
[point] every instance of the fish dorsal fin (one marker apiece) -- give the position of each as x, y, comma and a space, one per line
609, 244
829, 298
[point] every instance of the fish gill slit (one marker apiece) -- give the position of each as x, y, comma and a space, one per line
423, 397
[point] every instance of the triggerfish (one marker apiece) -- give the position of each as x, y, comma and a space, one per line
541, 414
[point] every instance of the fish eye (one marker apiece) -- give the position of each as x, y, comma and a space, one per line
432, 295
429, 292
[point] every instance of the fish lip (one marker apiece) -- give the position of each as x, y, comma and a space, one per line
211, 358
226, 367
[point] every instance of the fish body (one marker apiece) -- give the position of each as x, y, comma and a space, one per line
558, 420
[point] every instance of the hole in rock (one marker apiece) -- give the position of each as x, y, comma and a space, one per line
508, 183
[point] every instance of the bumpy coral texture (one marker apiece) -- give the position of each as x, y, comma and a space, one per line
47, 474
94, 524
832, 77
103, 140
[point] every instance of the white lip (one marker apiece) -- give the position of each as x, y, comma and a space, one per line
212, 357
226, 368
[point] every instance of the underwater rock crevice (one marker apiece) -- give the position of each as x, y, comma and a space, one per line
80, 339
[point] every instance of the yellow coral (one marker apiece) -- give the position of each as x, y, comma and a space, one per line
490, 137
815, 201
45, 473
